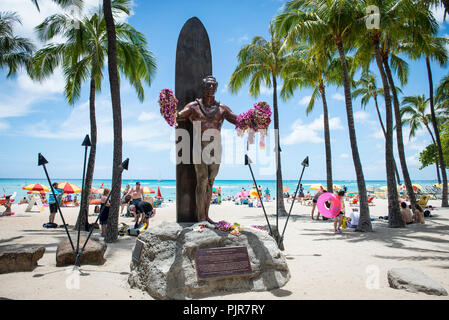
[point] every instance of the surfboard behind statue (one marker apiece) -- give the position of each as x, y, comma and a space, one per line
193, 63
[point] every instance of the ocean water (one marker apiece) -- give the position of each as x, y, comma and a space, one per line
168, 187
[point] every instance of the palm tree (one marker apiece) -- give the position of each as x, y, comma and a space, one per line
416, 107
422, 42
313, 68
331, 22
262, 61
82, 56
366, 87
14, 51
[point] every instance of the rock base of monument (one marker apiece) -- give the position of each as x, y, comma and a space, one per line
164, 264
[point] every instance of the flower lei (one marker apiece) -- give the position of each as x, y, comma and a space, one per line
255, 120
168, 103
234, 229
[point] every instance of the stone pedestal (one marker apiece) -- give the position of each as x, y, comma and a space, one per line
165, 266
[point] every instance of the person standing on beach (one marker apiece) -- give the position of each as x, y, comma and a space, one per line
52, 202
339, 218
136, 194
315, 200
104, 211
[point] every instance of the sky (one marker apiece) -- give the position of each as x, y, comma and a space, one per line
34, 116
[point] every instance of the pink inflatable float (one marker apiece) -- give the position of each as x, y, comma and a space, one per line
335, 206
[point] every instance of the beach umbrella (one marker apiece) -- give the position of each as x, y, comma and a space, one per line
285, 189
253, 193
337, 187
36, 192
68, 187
416, 187
214, 189
147, 190
159, 194
36, 187
316, 186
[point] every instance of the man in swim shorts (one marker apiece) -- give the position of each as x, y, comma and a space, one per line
144, 208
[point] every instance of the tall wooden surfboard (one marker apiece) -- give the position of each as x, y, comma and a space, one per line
193, 63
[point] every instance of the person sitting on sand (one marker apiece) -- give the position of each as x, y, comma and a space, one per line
353, 220
23, 201
76, 202
7, 205
419, 214
307, 196
406, 213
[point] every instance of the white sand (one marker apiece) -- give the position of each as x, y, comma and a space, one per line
323, 265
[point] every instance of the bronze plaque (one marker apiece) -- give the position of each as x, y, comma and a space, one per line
222, 263
137, 250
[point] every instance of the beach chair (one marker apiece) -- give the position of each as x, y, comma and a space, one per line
423, 201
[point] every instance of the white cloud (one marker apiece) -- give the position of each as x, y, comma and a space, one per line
344, 155
338, 96
238, 40
147, 116
379, 134
305, 100
4, 125
310, 133
438, 13
363, 117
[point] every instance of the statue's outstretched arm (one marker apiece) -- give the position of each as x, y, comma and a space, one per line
229, 115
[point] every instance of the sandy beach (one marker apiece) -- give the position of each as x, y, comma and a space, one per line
323, 265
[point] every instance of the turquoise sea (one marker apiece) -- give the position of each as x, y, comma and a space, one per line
168, 187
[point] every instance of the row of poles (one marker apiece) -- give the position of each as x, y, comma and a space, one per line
77, 251
279, 238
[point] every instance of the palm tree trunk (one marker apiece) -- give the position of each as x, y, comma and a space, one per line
399, 137
385, 135
279, 192
112, 227
444, 202
84, 208
327, 139
364, 224
394, 213
436, 152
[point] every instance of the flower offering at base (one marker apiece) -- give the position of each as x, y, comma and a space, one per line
168, 103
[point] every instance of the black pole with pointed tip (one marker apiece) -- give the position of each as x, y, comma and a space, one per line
248, 163
304, 164
122, 166
42, 162
86, 144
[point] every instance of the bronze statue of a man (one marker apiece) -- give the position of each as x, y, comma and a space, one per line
210, 114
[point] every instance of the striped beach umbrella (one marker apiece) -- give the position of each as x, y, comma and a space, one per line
36, 187
68, 187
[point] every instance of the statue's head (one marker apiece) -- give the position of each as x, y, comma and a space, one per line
210, 85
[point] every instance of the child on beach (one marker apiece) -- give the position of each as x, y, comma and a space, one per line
104, 211
419, 214
339, 218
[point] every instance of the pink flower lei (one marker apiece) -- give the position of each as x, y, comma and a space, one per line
255, 120
168, 104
